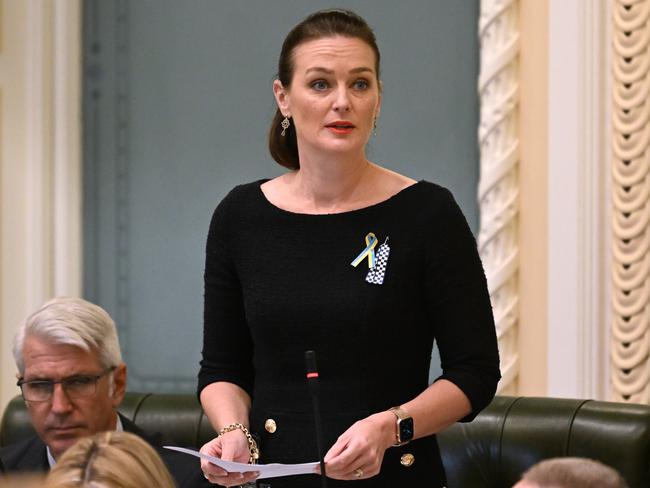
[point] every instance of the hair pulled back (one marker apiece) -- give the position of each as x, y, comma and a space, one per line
321, 24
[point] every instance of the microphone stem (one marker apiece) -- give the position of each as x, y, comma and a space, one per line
312, 382
313, 388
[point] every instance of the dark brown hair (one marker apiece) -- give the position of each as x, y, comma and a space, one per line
324, 23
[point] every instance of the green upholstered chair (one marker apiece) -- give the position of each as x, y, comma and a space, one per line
513, 433
509, 436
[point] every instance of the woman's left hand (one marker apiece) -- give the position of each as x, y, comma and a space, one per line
359, 451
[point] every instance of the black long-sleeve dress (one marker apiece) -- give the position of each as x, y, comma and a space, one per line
279, 283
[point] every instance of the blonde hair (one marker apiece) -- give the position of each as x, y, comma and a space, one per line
574, 472
110, 460
24, 480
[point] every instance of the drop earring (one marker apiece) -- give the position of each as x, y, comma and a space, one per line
374, 127
285, 125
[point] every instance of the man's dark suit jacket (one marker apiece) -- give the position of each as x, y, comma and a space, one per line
30, 455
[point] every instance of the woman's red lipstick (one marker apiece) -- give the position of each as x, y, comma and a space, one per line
340, 126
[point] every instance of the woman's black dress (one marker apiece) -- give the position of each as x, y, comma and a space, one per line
279, 283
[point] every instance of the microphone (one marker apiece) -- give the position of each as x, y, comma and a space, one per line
312, 382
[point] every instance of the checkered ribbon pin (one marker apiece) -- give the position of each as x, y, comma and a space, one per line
376, 273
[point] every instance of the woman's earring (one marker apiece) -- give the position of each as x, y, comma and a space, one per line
285, 125
374, 127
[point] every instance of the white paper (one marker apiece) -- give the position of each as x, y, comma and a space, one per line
265, 470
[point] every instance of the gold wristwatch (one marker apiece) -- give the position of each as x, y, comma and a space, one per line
404, 432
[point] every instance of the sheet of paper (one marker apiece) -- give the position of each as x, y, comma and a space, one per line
265, 470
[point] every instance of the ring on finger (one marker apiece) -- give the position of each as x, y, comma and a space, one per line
358, 473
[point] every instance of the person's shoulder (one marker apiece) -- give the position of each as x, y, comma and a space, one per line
183, 468
240, 198
433, 190
129, 426
427, 198
153, 439
434, 207
244, 192
26, 455
394, 183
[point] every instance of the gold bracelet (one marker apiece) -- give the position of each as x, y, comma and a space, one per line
252, 445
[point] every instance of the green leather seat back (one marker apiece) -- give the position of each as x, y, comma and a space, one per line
512, 434
15, 424
177, 419
470, 451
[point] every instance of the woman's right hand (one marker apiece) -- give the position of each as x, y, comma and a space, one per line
231, 446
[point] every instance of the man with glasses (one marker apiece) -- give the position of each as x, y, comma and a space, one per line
73, 379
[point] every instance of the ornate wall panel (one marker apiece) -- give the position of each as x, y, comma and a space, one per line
498, 185
630, 340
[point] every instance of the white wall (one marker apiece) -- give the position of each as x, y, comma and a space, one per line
578, 284
40, 247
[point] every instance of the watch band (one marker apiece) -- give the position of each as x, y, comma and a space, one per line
404, 426
399, 413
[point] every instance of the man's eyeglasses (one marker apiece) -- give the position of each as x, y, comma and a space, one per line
75, 387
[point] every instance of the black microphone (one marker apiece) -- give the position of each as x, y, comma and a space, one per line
312, 382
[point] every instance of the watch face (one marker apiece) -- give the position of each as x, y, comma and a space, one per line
406, 429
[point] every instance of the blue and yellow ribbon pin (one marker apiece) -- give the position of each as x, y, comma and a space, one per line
369, 251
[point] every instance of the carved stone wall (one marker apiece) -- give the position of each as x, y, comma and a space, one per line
630, 336
498, 186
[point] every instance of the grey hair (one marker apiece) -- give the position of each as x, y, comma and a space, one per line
74, 322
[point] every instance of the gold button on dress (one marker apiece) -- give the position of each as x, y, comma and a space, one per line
407, 459
270, 426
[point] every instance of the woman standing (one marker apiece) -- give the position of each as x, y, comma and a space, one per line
361, 264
